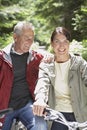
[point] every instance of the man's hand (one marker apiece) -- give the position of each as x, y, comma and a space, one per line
48, 58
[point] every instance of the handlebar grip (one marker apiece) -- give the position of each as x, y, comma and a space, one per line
5, 111
47, 109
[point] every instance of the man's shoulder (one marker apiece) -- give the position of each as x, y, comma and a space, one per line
1, 53
35, 58
1, 57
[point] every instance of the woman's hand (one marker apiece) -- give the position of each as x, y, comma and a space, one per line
38, 108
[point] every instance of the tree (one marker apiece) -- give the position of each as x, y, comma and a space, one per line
45, 16
64, 13
10, 14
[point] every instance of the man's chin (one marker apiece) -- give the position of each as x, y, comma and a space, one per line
25, 51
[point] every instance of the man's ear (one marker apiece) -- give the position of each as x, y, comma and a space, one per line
15, 37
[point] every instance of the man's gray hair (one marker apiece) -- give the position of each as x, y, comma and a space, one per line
22, 25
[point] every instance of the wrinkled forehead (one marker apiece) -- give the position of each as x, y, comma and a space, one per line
28, 33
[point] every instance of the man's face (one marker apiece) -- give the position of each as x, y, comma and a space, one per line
24, 41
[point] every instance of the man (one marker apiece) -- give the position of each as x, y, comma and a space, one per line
18, 76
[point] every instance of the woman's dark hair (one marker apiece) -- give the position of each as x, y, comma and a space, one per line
61, 30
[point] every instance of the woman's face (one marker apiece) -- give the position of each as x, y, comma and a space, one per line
60, 46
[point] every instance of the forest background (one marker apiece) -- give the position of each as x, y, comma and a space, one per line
45, 16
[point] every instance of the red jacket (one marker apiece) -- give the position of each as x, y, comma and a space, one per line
6, 74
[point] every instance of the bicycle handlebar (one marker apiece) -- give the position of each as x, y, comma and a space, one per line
53, 115
5, 111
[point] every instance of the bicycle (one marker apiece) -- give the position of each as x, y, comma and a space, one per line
17, 125
53, 115
4, 112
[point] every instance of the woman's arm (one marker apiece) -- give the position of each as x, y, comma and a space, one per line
41, 89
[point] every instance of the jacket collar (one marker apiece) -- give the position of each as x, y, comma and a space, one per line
7, 49
74, 66
75, 61
7, 57
6, 54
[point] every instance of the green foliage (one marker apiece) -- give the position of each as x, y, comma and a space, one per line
76, 47
5, 40
9, 17
9, 2
84, 52
50, 9
79, 48
80, 23
45, 16
63, 13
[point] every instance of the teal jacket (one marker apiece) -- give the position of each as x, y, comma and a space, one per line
77, 81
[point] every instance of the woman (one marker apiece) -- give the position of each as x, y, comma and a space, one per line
63, 82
